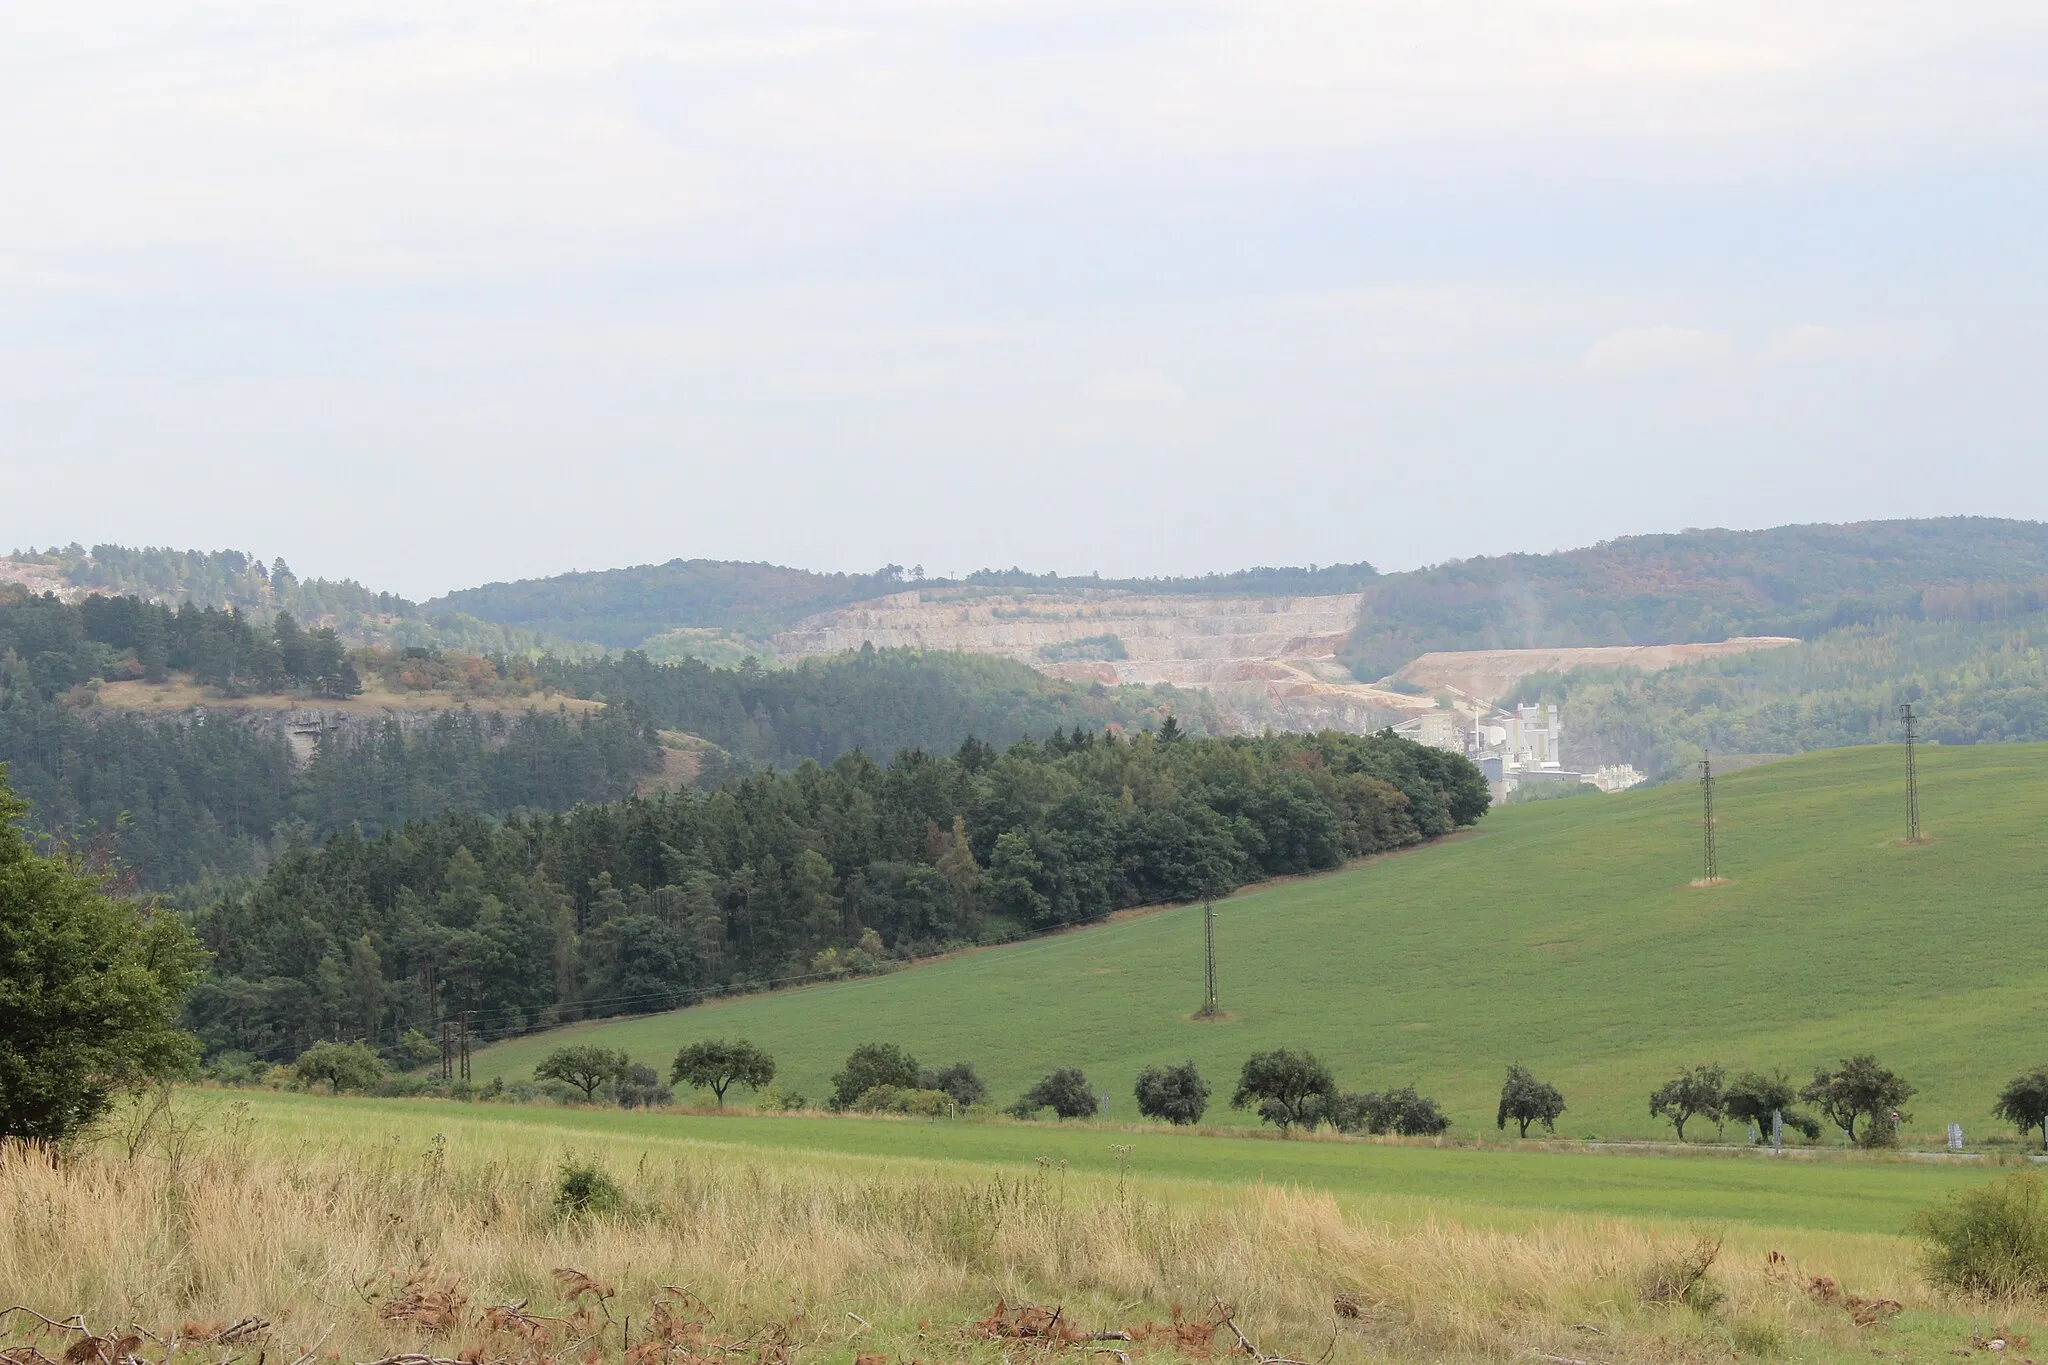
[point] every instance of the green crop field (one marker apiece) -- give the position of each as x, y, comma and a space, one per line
1851, 1194
1565, 935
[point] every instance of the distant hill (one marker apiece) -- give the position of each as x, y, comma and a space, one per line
1562, 934
1688, 586
626, 608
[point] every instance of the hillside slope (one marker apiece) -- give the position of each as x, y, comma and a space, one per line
1561, 934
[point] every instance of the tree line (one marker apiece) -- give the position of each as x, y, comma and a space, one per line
650, 903
50, 646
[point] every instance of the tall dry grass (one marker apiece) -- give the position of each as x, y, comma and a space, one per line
178, 1221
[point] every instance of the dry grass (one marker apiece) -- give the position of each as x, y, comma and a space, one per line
373, 1244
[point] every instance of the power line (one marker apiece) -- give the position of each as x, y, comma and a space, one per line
1713, 862
1912, 777
1209, 1007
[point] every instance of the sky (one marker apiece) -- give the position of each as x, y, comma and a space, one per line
433, 294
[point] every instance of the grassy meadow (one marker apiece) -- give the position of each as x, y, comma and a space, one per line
1566, 935
362, 1229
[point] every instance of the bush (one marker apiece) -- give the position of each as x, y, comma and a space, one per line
583, 1187
236, 1069
1991, 1240
870, 1065
642, 1088
1177, 1094
1066, 1092
958, 1081
415, 1050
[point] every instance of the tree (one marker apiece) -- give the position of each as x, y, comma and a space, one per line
1694, 1091
1288, 1087
1401, 1111
957, 1082
717, 1065
586, 1067
1066, 1092
1177, 1094
89, 990
343, 1066
2024, 1102
641, 1088
1860, 1089
870, 1065
1527, 1100
1753, 1097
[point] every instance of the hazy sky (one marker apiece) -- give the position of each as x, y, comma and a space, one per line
429, 294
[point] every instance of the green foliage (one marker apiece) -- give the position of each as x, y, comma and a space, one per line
1563, 935
1860, 1089
1066, 1092
957, 1082
716, 1065
2024, 1102
871, 1065
340, 1066
89, 990
879, 701
587, 1067
586, 1189
1696, 1091
1991, 1240
1177, 1094
1285, 1087
1752, 1097
647, 904
1970, 681
1695, 585
415, 1049
641, 1088
1401, 1111
1527, 1100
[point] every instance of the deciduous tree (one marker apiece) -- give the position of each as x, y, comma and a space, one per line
1287, 1088
2024, 1102
89, 990
1527, 1100
717, 1065
1859, 1089
1177, 1094
870, 1065
1696, 1091
586, 1067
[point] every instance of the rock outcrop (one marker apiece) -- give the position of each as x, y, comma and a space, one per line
1263, 660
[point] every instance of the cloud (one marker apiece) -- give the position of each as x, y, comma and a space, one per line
1657, 350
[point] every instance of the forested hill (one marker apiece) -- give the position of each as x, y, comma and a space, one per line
1692, 585
877, 701
650, 903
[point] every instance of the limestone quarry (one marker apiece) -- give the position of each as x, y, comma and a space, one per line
1264, 661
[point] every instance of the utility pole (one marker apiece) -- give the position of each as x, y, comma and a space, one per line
447, 1050
1713, 862
1912, 777
465, 1045
1209, 1006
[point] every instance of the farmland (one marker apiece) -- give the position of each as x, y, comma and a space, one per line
1564, 934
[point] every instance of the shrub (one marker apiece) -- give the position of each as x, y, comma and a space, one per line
415, 1049
236, 1069
870, 1065
642, 1088
1683, 1278
343, 1066
584, 1187
1991, 1240
1177, 1094
1406, 1113
1066, 1092
958, 1081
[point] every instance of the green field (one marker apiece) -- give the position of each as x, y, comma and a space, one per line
1833, 1194
1561, 934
